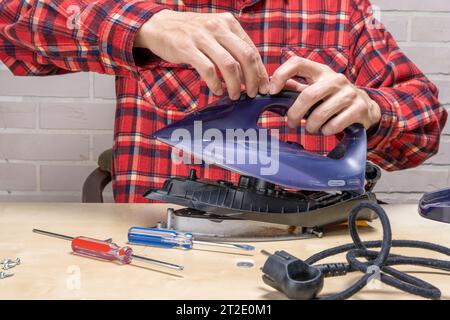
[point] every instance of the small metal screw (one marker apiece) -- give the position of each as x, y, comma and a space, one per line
245, 264
4, 275
318, 234
8, 264
315, 231
161, 225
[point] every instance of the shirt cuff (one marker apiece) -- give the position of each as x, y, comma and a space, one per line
387, 128
117, 33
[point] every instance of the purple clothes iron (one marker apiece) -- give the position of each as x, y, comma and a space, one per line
295, 167
298, 188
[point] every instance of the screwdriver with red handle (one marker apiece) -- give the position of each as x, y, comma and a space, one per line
105, 250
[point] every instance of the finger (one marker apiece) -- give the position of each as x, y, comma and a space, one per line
227, 64
326, 110
296, 66
236, 27
293, 85
309, 97
339, 123
207, 71
282, 75
249, 60
264, 77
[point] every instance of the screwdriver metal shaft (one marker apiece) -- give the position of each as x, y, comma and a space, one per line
158, 262
96, 248
226, 245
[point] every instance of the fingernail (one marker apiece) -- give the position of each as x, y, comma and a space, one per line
252, 94
235, 96
273, 89
265, 88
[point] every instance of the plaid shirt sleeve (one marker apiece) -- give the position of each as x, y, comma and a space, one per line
412, 117
44, 37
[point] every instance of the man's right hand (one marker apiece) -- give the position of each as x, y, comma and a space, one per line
207, 41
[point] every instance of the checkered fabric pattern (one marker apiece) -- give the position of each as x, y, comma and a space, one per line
48, 37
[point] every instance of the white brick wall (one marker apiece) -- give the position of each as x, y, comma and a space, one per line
52, 129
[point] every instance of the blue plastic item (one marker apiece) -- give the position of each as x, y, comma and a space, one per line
160, 238
436, 206
166, 238
285, 164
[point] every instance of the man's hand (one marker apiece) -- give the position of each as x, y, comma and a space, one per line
343, 103
207, 41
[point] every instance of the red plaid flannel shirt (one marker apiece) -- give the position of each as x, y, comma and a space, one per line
46, 37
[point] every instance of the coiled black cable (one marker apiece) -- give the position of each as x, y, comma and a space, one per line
382, 260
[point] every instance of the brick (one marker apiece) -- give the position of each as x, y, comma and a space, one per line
77, 115
108, 197
444, 89
71, 85
64, 178
104, 86
44, 146
108, 189
431, 28
433, 60
422, 179
413, 5
396, 24
446, 130
443, 157
102, 142
17, 176
20, 115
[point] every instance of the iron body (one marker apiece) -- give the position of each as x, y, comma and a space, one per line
342, 170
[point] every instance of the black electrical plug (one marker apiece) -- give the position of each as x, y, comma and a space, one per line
292, 276
297, 279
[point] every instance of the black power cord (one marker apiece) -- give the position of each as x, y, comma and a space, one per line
302, 280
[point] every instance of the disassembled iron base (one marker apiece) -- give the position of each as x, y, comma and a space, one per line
255, 210
207, 228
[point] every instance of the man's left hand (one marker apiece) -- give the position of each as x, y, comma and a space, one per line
343, 103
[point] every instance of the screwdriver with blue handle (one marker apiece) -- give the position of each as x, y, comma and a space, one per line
173, 239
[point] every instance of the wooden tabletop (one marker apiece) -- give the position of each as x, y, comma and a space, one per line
50, 271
